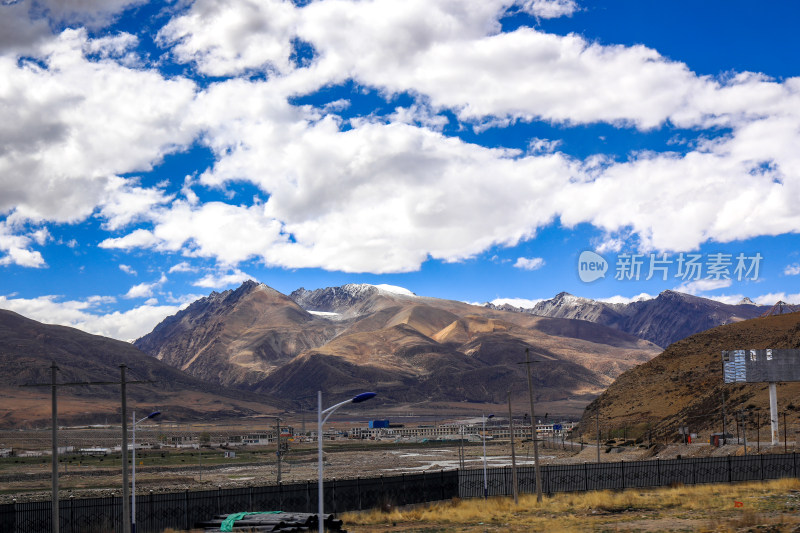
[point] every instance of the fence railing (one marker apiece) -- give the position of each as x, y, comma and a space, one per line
181, 510
623, 475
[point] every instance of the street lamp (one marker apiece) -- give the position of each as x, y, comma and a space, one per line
133, 474
364, 396
485, 479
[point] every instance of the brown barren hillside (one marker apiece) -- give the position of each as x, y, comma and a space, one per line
684, 385
409, 348
28, 349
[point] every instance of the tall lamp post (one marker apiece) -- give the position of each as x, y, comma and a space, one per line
364, 396
485, 479
133, 473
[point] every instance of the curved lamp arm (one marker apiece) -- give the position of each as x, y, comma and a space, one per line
364, 396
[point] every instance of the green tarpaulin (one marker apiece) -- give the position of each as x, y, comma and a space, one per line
227, 524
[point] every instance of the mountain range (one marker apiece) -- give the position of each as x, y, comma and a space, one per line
254, 349
413, 349
668, 318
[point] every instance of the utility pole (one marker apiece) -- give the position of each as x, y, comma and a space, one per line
278, 440
758, 431
597, 423
744, 432
513, 453
56, 524
461, 447
126, 500
785, 442
54, 413
724, 430
534, 436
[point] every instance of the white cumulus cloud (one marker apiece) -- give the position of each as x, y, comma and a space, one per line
792, 270
529, 263
84, 315
145, 290
220, 280
69, 128
703, 285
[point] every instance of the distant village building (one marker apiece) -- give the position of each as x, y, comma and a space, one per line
456, 431
94, 451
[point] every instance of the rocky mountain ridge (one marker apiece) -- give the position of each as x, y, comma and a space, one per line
413, 348
668, 318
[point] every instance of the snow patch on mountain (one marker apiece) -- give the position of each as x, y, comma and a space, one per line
522, 303
643, 297
394, 289
325, 314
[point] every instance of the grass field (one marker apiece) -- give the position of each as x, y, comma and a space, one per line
770, 506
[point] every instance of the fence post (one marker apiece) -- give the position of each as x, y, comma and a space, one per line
794, 463
622, 473
730, 469
658, 471
249, 497
71, 515
280, 495
546, 480
219, 498
333, 496
694, 470
186, 509
585, 477
358, 491
761, 466
150, 509
441, 485
403, 485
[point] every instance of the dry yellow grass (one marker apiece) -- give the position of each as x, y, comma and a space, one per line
775, 504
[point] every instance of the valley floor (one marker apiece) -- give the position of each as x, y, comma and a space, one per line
29, 478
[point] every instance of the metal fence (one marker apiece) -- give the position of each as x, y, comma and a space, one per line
623, 475
181, 510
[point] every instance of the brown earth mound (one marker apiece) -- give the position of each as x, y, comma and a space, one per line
684, 385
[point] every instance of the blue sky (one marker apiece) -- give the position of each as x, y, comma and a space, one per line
153, 152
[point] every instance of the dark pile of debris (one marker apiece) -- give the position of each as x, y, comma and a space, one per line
270, 521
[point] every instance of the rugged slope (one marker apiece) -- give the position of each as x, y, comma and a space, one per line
347, 301
238, 336
412, 348
28, 348
668, 318
684, 385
